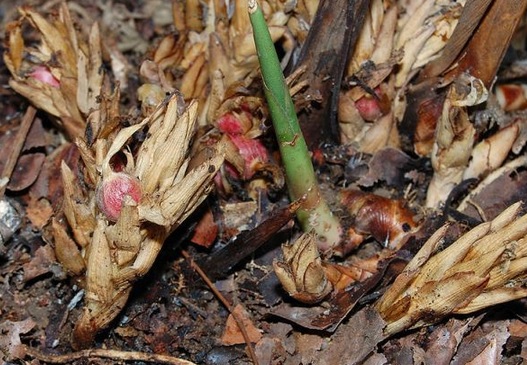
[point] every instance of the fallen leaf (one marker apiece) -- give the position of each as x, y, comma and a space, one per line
367, 329
206, 230
11, 343
267, 349
389, 165
232, 334
40, 264
39, 212
444, 341
483, 345
26, 171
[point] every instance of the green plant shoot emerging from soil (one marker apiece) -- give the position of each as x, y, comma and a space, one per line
314, 213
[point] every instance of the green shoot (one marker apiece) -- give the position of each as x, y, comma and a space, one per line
314, 213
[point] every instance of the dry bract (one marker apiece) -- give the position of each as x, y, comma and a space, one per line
490, 153
396, 41
454, 138
301, 273
387, 220
117, 254
62, 75
484, 267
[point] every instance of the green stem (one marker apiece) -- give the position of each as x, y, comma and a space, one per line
314, 213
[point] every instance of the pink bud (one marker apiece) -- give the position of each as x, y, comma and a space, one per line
43, 74
369, 107
111, 192
252, 151
230, 124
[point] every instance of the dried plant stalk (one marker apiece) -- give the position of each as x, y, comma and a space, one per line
484, 267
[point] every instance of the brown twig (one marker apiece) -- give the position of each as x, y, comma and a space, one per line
107, 354
226, 303
18, 144
219, 263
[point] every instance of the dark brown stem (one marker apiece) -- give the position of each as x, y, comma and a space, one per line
12, 158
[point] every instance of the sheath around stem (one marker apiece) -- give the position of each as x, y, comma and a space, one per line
314, 214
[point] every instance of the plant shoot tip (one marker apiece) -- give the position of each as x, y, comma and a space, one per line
252, 5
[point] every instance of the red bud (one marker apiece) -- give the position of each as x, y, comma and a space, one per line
112, 191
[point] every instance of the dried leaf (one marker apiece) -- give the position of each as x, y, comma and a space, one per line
39, 212
366, 327
26, 171
324, 54
11, 343
232, 334
206, 230
40, 264
489, 36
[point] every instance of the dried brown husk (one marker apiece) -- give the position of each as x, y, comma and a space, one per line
454, 138
484, 267
73, 59
117, 254
301, 272
387, 220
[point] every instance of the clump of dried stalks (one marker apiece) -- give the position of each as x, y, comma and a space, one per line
216, 51
484, 267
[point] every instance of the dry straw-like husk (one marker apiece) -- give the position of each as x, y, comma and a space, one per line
70, 68
484, 267
116, 254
